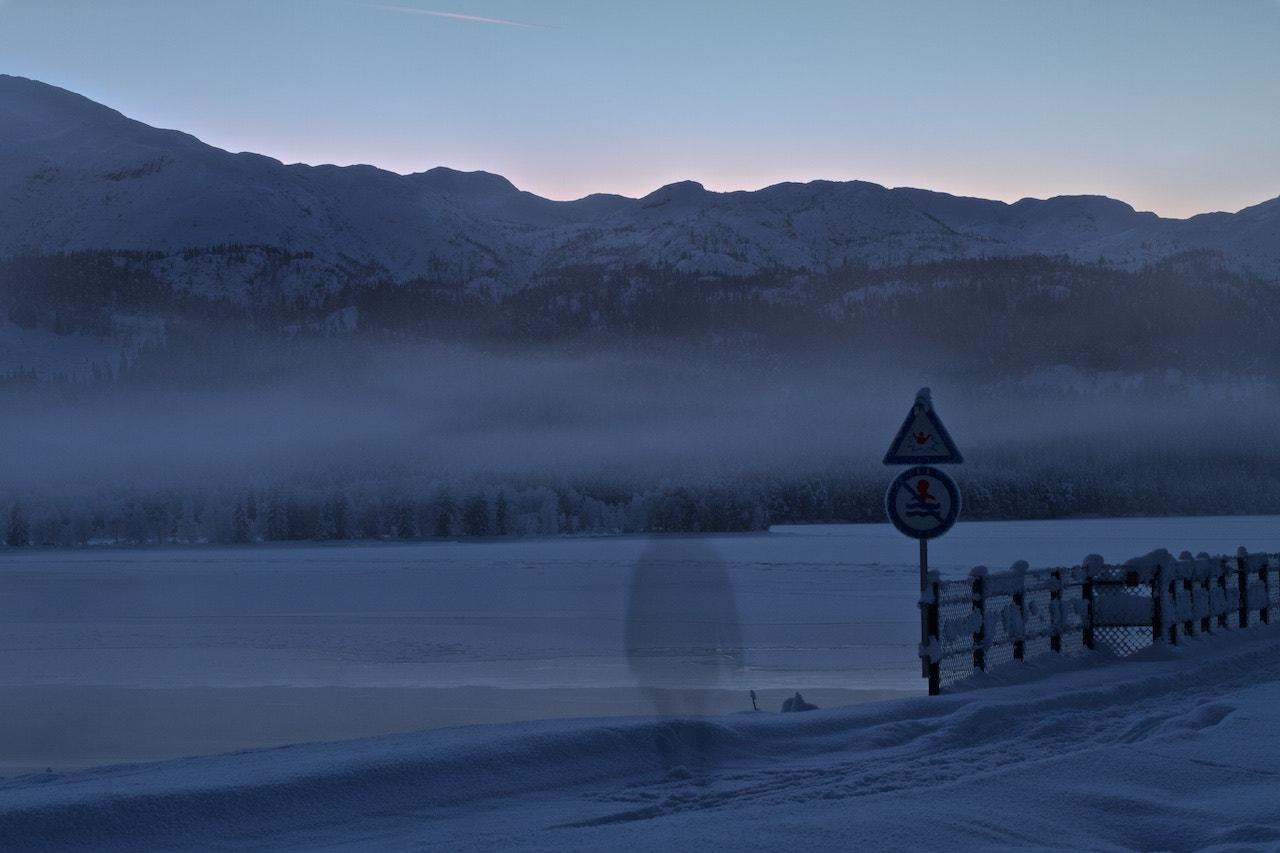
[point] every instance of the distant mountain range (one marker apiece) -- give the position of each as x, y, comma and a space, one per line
85, 191
77, 175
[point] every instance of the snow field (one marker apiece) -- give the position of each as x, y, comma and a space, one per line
1173, 749
1172, 752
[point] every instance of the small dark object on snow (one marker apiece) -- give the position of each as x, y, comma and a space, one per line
753, 701
797, 703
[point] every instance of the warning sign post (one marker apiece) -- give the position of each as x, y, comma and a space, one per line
923, 502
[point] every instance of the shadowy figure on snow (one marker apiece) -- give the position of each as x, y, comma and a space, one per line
682, 631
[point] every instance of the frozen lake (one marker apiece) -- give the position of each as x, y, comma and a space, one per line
124, 653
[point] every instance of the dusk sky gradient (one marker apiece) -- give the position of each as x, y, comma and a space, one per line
1170, 105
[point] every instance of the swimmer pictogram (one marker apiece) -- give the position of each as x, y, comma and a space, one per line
923, 440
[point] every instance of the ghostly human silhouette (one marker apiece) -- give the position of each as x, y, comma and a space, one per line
682, 630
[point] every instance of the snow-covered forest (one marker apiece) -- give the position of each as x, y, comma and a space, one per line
180, 493
407, 507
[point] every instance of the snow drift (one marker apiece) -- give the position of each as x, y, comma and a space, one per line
1173, 751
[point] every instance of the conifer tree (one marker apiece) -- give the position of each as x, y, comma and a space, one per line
240, 532
500, 513
19, 532
475, 516
277, 519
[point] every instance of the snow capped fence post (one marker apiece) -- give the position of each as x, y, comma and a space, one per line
1162, 611
1255, 585
1242, 585
1019, 614
1055, 611
980, 618
931, 652
1086, 592
1186, 608
1204, 592
1267, 582
1224, 602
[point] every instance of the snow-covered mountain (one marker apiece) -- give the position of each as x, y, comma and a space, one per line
76, 175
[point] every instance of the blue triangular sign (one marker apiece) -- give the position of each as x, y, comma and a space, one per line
923, 440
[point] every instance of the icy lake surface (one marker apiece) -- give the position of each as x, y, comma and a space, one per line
97, 637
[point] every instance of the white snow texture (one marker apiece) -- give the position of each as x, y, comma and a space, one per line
1173, 749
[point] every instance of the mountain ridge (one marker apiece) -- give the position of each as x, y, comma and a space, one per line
78, 175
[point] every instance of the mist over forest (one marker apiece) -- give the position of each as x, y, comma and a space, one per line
134, 414
320, 438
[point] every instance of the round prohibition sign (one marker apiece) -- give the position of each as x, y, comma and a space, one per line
922, 502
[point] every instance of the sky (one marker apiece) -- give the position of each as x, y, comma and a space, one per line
1169, 105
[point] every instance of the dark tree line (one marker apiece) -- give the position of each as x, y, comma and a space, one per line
400, 508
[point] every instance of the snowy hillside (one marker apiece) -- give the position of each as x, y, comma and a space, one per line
76, 175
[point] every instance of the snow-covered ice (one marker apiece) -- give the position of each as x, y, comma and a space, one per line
1173, 749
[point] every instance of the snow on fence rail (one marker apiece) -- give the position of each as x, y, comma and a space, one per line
989, 620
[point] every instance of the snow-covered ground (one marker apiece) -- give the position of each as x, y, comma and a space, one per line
150, 649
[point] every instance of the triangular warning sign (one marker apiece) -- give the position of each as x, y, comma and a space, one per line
922, 440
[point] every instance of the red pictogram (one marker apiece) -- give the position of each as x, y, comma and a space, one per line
922, 488
922, 437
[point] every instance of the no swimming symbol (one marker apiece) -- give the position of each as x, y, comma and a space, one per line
922, 502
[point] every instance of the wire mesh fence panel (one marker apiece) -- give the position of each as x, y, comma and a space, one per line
1122, 640
1122, 615
1002, 630
1269, 597
1072, 644
957, 621
954, 668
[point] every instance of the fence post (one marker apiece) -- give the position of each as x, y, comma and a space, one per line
1157, 605
979, 636
1206, 583
1222, 585
1189, 625
1242, 581
1020, 644
1055, 611
1264, 612
1086, 592
931, 625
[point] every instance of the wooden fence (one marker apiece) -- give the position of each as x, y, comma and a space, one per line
988, 620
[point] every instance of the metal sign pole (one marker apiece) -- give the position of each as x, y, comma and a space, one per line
924, 622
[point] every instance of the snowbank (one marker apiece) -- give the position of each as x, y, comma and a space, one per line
1174, 750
